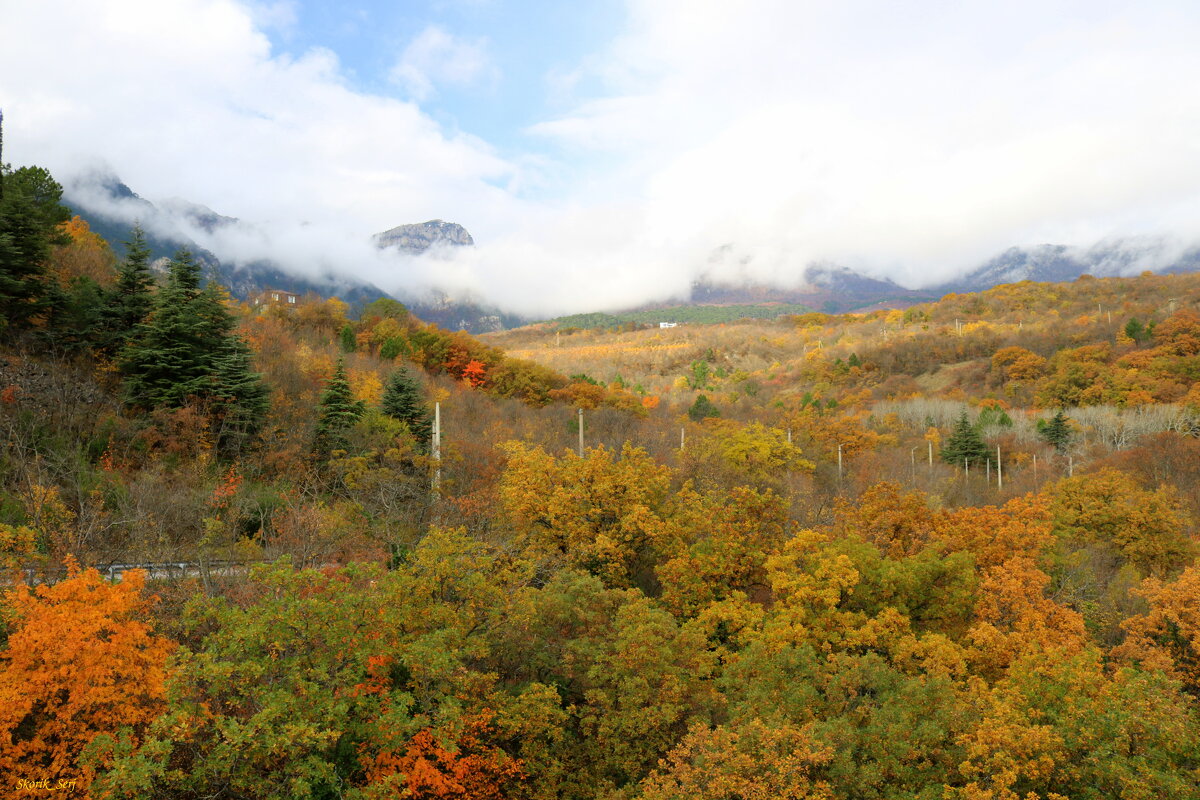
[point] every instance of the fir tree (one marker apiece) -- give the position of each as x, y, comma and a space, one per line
186, 351
702, 409
1135, 330
73, 315
30, 213
1056, 432
171, 357
339, 412
131, 299
402, 401
239, 398
965, 444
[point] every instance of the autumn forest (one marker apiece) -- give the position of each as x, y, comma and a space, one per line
947, 551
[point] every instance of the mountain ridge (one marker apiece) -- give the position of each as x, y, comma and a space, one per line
110, 207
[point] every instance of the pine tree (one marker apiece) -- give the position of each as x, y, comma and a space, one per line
402, 401
73, 315
131, 299
339, 412
186, 351
239, 398
171, 357
702, 409
30, 213
965, 444
1056, 432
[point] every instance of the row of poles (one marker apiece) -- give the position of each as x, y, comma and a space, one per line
437, 453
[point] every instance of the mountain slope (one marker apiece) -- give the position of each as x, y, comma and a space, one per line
1052, 263
111, 208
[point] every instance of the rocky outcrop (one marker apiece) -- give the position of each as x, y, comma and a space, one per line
419, 237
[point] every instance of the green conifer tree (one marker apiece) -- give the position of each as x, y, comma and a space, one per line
1135, 330
965, 444
129, 302
73, 315
186, 351
347, 339
239, 398
339, 412
171, 356
702, 409
30, 213
402, 401
1056, 432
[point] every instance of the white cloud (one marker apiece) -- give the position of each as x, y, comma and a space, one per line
437, 57
908, 139
187, 99
279, 15
913, 138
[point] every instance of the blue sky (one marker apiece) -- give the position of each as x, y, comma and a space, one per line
529, 56
607, 153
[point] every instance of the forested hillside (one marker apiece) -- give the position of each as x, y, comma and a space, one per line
945, 552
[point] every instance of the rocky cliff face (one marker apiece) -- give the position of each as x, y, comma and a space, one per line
418, 238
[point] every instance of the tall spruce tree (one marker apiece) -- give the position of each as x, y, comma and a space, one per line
1056, 432
73, 315
129, 302
172, 355
702, 409
187, 351
965, 444
339, 412
402, 401
30, 215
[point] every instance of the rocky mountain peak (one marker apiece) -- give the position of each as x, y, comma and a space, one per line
419, 237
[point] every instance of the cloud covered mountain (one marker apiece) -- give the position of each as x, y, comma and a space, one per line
244, 259
112, 208
1053, 263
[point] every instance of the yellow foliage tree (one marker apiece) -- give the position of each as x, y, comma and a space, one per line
756, 760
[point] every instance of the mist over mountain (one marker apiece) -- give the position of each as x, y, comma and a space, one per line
112, 208
823, 287
833, 288
249, 260
1054, 263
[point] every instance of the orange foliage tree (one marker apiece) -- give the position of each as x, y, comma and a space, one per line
1167, 637
84, 255
898, 524
80, 662
470, 770
1015, 617
995, 534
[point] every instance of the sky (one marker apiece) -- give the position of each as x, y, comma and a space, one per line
601, 152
